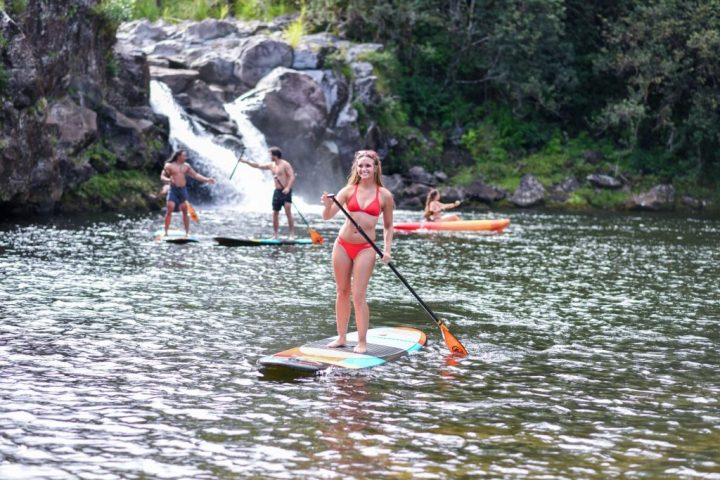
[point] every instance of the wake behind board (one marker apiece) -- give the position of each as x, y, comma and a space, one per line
173, 236
383, 344
256, 242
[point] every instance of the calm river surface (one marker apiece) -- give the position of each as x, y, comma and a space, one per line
594, 353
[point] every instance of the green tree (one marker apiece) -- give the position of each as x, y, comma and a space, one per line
665, 53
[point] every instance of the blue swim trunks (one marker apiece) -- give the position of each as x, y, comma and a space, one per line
178, 195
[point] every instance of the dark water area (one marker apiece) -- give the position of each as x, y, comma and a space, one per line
594, 352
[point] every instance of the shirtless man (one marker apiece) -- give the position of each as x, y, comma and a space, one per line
174, 175
284, 176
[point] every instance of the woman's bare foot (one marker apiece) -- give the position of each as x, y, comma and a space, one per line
360, 348
336, 343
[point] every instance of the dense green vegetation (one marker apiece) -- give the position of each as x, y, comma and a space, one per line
529, 86
116, 189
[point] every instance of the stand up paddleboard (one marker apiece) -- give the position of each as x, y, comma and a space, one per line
256, 242
383, 344
173, 236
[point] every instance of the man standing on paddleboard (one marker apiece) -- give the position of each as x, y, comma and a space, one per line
364, 198
173, 176
284, 177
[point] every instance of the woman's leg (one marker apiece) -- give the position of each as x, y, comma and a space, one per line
450, 218
342, 268
362, 270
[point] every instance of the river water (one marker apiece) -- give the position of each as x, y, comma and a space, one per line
594, 353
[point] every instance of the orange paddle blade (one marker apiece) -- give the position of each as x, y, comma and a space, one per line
453, 343
316, 237
192, 212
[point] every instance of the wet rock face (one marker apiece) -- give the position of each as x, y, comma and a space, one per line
66, 91
299, 104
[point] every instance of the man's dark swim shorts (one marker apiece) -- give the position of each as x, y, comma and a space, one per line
279, 199
179, 195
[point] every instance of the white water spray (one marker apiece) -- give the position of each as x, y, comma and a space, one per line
250, 189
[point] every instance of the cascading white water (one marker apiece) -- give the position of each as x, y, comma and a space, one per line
250, 189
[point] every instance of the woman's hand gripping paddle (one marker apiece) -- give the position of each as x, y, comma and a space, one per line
450, 340
314, 234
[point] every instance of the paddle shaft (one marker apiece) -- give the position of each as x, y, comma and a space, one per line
390, 264
238, 162
296, 208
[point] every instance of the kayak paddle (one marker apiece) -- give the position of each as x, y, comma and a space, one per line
450, 340
314, 234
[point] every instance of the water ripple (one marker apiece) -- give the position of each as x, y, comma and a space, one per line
594, 347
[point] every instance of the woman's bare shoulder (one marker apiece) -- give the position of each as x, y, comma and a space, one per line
387, 196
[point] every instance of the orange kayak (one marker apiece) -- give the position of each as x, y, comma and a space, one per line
497, 225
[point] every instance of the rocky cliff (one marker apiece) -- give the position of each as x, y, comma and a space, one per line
76, 131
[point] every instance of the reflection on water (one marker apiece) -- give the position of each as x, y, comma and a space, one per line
594, 347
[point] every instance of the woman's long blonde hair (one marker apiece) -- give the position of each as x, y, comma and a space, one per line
431, 196
354, 177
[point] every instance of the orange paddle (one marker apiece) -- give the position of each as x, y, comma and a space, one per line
193, 214
315, 236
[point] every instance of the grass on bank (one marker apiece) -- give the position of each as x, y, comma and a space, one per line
115, 189
178, 10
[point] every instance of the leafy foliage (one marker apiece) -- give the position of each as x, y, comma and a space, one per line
523, 84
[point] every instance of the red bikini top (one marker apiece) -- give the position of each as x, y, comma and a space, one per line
372, 209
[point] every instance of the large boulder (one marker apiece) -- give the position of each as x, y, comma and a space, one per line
260, 56
604, 181
293, 115
530, 193
479, 190
660, 197
310, 54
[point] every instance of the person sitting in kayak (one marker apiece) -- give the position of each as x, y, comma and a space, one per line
174, 175
353, 258
434, 208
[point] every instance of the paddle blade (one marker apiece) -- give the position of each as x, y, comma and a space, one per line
315, 236
192, 212
452, 343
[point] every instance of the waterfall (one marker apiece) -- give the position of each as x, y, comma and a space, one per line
250, 189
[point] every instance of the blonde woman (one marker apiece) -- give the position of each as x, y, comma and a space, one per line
434, 208
353, 258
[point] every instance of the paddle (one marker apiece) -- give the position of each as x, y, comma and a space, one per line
238, 162
191, 211
450, 340
314, 234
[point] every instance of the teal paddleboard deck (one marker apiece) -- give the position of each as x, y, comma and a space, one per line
173, 236
256, 242
383, 344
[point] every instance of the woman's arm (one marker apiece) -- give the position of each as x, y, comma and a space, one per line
331, 209
448, 206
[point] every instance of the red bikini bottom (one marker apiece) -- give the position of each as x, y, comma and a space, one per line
352, 249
